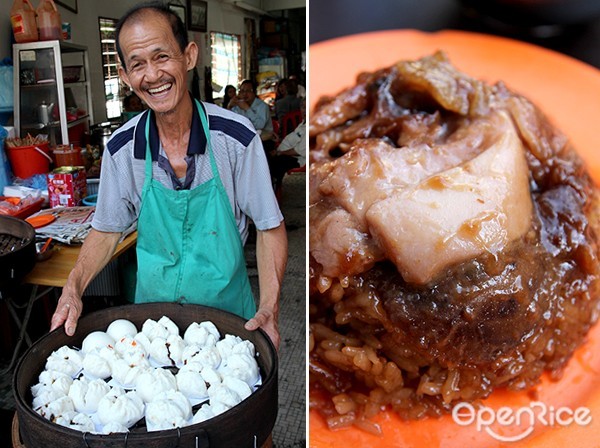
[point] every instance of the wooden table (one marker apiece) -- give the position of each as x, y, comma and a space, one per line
55, 271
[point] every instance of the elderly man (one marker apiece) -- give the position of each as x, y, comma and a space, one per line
246, 103
191, 175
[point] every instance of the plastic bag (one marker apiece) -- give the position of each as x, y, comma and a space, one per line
5, 174
6, 84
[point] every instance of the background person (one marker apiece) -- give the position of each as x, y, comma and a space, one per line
290, 102
291, 152
229, 94
246, 103
132, 105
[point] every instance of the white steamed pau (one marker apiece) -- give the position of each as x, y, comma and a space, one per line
241, 366
96, 340
168, 410
203, 334
167, 352
52, 380
65, 360
132, 351
232, 345
46, 395
96, 366
205, 356
125, 374
191, 384
118, 406
87, 394
56, 408
76, 420
219, 393
161, 329
121, 328
154, 381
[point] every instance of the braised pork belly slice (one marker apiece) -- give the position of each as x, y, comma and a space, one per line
479, 206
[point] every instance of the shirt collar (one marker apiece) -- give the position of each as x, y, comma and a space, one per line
197, 144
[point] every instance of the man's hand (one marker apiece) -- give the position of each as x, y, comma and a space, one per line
95, 253
67, 311
266, 320
242, 104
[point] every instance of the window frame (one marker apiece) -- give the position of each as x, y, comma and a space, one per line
237, 38
114, 88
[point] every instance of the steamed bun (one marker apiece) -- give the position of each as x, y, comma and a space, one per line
167, 411
118, 406
154, 381
241, 366
96, 340
78, 421
126, 374
167, 352
202, 334
65, 360
191, 384
87, 394
56, 408
51, 379
120, 328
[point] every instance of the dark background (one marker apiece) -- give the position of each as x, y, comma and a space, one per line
335, 18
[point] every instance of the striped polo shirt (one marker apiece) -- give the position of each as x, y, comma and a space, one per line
238, 153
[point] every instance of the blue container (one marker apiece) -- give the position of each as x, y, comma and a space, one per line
90, 200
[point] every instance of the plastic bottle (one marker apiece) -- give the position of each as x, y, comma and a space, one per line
48, 20
22, 18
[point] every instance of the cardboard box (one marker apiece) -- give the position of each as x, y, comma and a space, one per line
66, 186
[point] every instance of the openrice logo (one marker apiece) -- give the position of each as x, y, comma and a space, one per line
522, 419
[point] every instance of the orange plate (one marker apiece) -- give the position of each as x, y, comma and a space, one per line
568, 91
40, 220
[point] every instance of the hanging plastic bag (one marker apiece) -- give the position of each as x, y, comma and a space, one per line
5, 174
6, 85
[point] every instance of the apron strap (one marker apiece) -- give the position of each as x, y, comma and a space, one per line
148, 165
206, 129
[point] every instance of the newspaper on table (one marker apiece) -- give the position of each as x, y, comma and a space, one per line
71, 226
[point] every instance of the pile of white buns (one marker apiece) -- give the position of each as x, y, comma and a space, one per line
121, 376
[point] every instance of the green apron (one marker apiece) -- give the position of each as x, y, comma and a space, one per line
189, 248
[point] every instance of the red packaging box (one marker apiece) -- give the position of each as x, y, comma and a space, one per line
66, 186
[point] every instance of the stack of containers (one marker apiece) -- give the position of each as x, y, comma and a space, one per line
26, 28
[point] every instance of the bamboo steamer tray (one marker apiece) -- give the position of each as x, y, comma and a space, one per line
248, 424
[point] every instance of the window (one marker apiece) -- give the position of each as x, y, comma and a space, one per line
226, 64
114, 89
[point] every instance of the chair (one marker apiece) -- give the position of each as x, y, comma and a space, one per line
290, 121
299, 169
275, 126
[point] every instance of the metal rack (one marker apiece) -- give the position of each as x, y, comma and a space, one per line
39, 79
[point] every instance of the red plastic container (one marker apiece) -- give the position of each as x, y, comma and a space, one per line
28, 210
67, 156
29, 160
